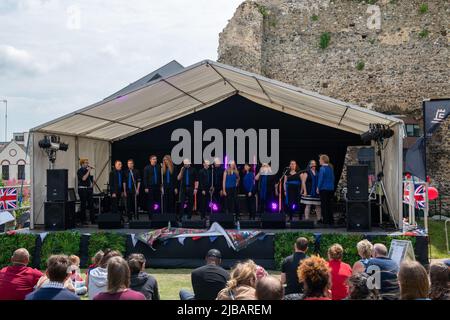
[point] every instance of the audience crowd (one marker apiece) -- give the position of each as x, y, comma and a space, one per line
110, 277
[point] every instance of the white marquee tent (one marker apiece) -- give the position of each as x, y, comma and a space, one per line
91, 131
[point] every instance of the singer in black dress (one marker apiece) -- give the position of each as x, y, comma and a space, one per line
131, 185
169, 179
292, 184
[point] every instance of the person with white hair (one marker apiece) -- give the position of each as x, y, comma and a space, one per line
188, 188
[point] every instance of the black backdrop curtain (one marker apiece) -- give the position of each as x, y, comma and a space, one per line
300, 140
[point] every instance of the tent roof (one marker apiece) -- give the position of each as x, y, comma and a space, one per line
200, 86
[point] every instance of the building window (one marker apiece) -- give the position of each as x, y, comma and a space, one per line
19, 138
5, 172
21, 172
413, 130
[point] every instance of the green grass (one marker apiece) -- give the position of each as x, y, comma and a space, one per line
436, 232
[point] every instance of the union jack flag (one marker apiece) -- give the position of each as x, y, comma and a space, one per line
8, 198
419, 195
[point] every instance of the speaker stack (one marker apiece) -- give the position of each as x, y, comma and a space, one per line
59, 212
358, 204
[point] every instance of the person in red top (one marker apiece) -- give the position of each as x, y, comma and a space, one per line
314, 273
119, 282
18, 280
340, 272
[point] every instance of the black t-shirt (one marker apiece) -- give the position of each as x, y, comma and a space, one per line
80, 174
290, 267
208, 280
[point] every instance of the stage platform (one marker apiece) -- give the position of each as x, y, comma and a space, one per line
190, 253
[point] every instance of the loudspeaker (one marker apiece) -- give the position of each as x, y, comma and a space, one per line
194, 224
250, 224
273, 220
109, 221
302, 224
161, 220
57, 184
357, 182
59, 215
137, 224
358, 215
226, 220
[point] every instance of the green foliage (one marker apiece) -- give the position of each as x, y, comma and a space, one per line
324, 40
263, 10
284, 244
423, 8
424, 33
314, 17
371, 1
66, 242
360, 65
105, 240
371, 41
347, 241
386, 240
9, 243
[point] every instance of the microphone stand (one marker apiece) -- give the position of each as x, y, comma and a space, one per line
162, 189
211, 190
279, 188
135, 195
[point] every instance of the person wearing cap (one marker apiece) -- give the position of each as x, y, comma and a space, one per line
208, 280
188, 188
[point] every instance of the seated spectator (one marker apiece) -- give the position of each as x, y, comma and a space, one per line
207, 280
359, 288
75, 277
440, 281
413, 280
260, 272
269, 288
118, 282
387, 269
18, 280
241, 285
340, 272
44, 280
314, 272
290, 266
365, 249
95, 261
140, 280
98, 277
57, 274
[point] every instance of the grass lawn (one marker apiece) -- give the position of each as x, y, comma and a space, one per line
437, 239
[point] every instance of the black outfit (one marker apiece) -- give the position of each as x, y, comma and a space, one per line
145, 284
292, 199
132, 179
208, 280
204, 184
85, 192
265, 190
116, 179
152, 182
218, 178
169, 185
248, 184
187, 184
289, 267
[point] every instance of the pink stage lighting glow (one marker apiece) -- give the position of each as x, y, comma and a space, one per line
156, 206
274, 206
225, 162
214, 206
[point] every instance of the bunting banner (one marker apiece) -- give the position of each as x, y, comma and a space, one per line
237, 240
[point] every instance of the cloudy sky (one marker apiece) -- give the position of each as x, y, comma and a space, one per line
57, 56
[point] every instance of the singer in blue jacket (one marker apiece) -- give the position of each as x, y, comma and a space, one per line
249, 189
325, 189
131, 185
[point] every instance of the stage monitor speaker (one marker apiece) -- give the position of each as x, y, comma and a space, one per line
358, 215
357, 182
137, 224
57, 184
273, 220
194, 224
302, 224
109, 221
161, 220
59, 215
250, 224
226, 220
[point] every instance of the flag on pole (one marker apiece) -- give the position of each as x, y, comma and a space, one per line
8, 198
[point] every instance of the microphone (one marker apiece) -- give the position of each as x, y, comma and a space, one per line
90, 167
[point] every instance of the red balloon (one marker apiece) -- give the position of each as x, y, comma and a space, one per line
432, 193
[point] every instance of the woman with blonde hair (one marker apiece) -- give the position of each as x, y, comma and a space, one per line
119, 282
325, 189
241, 285
230, 182
365, 249
169, 179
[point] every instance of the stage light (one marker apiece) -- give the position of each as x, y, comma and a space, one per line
213, 206
52, 144
156, 206
274, 206
377, 132
294, 206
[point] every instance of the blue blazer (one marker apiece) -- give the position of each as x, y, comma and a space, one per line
326, 178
